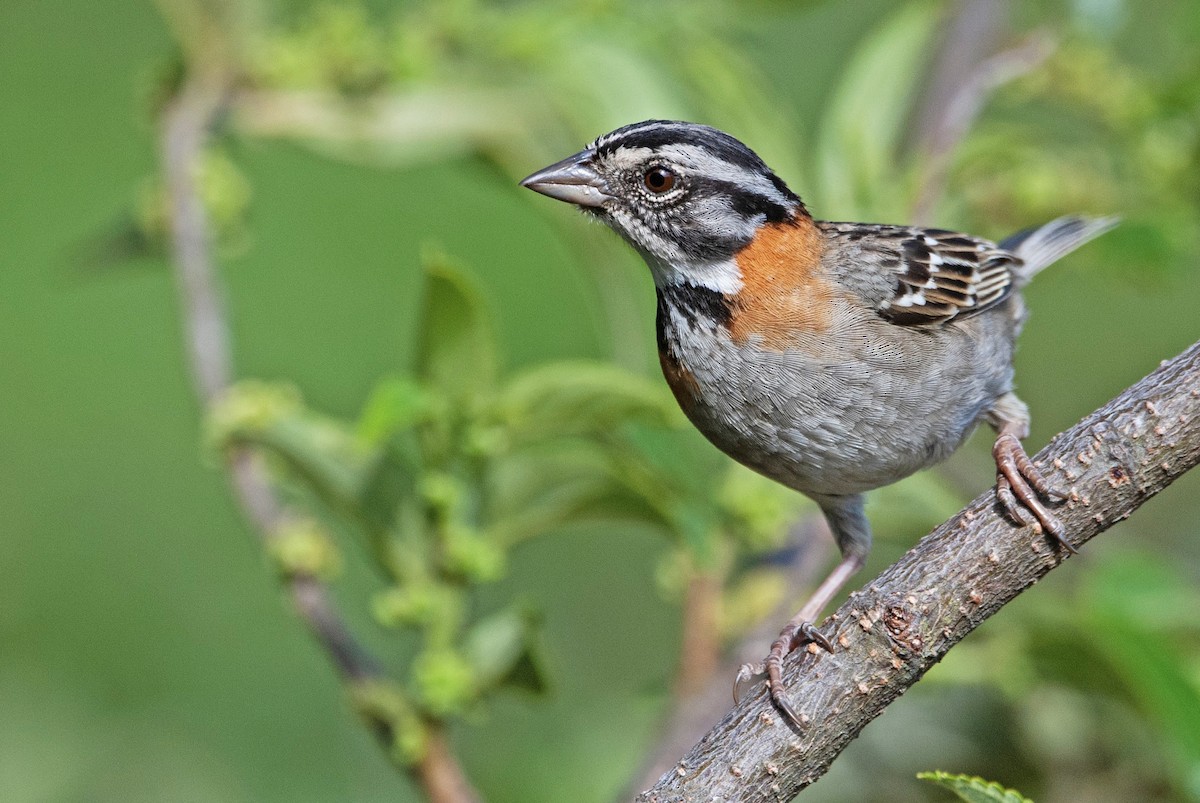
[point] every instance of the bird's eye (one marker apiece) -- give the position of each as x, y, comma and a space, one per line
659, 180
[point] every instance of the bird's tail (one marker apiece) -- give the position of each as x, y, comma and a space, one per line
1040, 246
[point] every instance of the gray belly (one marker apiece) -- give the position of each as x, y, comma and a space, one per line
845, 418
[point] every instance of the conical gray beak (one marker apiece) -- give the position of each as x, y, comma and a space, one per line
573, 180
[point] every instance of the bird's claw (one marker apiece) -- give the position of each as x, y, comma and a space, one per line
807, 633
1019, 484
746, 673
792, 636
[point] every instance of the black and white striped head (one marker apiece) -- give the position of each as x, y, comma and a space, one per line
687, 197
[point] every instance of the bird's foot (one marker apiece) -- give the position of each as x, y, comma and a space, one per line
792, 636
1020, 488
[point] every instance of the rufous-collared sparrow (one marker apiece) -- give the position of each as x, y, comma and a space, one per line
831, 357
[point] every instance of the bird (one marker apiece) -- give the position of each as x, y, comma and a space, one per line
832, 357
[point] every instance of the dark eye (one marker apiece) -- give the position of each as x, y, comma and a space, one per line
659, 180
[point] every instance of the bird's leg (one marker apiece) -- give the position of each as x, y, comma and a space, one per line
1020, 486
853, 534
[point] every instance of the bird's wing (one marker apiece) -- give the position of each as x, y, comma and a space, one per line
939, 275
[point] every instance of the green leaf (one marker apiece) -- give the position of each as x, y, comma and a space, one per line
973, 790
318, 450
322, 453
384, 704
504, 652
372, 484
395, 405
419, 604
456, 351
389, 482
302, 546
681, 459
580, 398
542, 489
864, 126
468, 555
445, 681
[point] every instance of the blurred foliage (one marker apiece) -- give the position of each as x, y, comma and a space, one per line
859, 160
446, 470
429, 474
141, 233
1086, 689
520, 81
514, 84
1122, 648
1055, 141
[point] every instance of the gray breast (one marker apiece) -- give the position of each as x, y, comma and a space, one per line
863, 406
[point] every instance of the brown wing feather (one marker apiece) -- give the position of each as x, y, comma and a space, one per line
939, 274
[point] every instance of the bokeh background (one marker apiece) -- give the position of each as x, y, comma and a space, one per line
146, 652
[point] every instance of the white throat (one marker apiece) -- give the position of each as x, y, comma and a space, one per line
721, 276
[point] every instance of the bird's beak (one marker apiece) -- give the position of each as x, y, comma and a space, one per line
573, 180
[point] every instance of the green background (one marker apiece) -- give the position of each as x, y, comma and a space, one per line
145, 650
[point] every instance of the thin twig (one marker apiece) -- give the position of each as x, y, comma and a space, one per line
973, 31
892, 631
700, 643
440, 774
187, 123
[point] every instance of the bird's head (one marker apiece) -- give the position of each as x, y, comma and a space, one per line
686, 196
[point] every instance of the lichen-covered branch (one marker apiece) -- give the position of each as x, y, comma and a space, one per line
892, 631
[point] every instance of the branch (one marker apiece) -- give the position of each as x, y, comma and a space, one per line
186, 126
399, 125
890, 633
